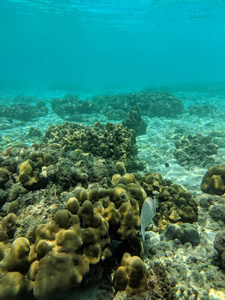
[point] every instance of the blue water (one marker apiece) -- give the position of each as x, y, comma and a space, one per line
114, 45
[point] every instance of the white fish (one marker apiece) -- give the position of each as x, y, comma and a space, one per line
148, 212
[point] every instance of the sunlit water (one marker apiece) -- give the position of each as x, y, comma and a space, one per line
96, 46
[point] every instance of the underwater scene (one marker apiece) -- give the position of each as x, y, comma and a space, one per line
112, 150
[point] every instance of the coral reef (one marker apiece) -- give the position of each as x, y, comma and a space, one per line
153, 104
213, 181
107, 141
68, 213
165, 105
63, 249
134, 121
176, 205
31, 173
34, 132
4, 177
131, 276
203, 109
78, 229
114, 114
133, 281
72, 109
196, 150
24, 112
5, 182
34, 168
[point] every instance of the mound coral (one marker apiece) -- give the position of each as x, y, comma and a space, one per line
78, 237
134, 121
72, 109
31, 172
176, 205
58, 254
107, 141
160, 104
213, 181
131, 276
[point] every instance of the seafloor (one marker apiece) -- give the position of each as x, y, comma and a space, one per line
193, 271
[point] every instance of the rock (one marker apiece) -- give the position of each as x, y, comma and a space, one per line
205, 201
189, 234
217, 212
219, 245
185, 233
171, 232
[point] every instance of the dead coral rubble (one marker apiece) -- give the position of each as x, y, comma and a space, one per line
196, 150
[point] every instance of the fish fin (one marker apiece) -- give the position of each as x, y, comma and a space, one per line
143, 233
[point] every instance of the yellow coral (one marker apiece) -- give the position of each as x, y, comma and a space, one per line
131, 276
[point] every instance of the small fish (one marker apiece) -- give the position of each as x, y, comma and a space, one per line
148, 212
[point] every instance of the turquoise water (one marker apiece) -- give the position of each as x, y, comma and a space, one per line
91, 62
95, 46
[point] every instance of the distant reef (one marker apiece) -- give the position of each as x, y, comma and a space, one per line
115, 107
152, 104
23, 110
